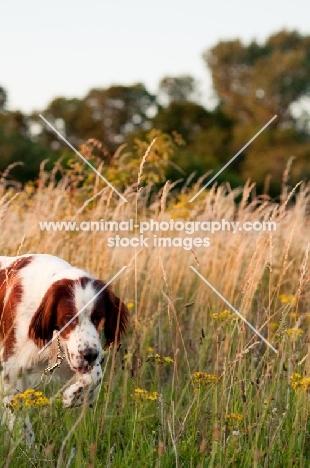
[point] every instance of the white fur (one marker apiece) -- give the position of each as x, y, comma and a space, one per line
24, 367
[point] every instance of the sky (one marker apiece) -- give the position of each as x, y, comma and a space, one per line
67, 47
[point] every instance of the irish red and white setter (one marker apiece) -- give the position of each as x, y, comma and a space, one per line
47, 305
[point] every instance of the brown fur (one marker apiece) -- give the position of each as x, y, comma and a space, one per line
57, 308
11, 292
115, 313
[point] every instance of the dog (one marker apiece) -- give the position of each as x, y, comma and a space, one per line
51, 311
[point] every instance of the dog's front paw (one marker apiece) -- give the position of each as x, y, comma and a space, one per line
85, 389
73, 396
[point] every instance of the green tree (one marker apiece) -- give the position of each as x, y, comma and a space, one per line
207, 136
178, 89
254, 82
107, 115
3, 98
17, 146
185, 118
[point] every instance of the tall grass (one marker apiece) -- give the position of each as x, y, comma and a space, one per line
191, 385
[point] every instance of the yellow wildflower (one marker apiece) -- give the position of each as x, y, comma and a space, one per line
305, 383
168, 359
293, 315
152, 396
234, 417
288, 299
29, 398
297, 381
204, 378
160, 359
293, 333
141, 394
140, 390
42, 401
224, 316
273, 326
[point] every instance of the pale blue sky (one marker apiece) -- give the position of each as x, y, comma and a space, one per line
66, 47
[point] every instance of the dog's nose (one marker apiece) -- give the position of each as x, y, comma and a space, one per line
90, 355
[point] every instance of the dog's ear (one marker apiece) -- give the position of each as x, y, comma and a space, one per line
44, 321
115, 314
116, 318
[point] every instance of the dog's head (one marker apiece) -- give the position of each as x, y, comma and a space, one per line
79, 310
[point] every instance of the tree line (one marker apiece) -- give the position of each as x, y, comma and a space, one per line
252, 82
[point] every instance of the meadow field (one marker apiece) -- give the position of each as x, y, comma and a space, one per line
191, 384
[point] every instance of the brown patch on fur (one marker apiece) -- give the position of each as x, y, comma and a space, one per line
109, 312
55, 311
114, 312
11, 292
84, 281
99, 325
58, 307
